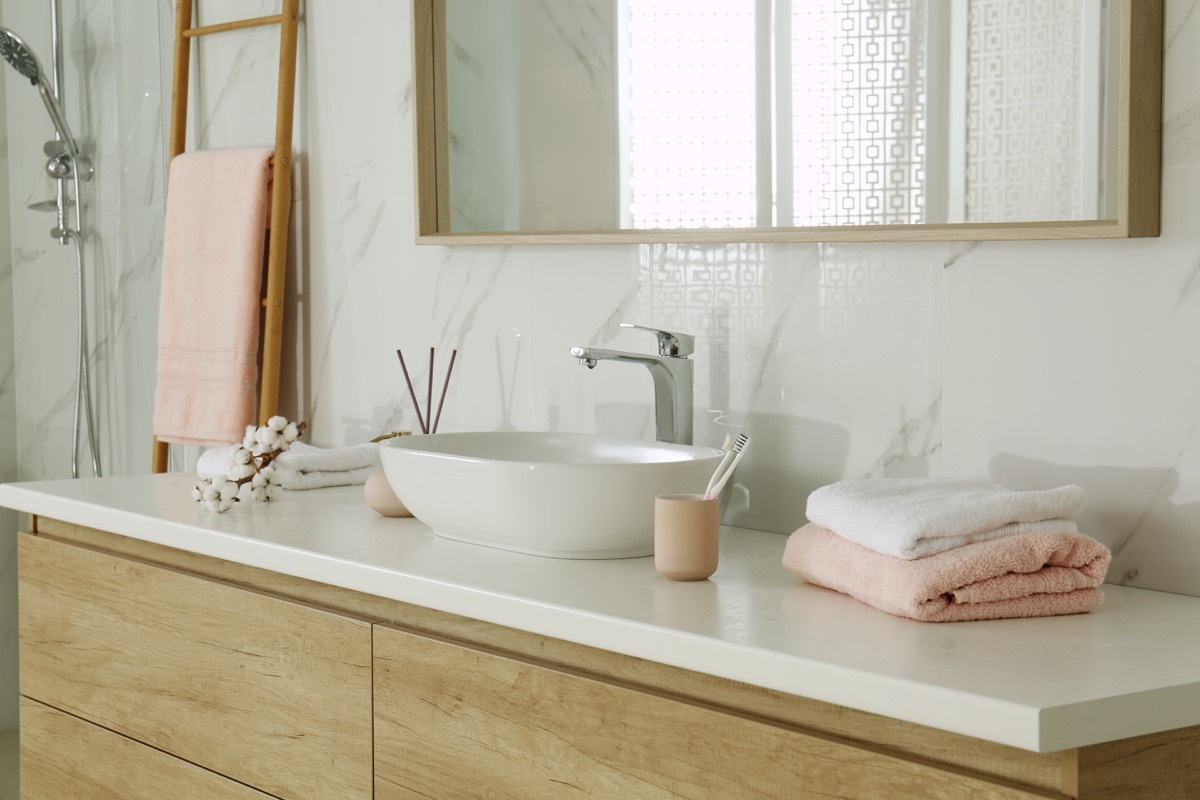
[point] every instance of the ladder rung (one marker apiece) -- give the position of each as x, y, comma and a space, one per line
221, 27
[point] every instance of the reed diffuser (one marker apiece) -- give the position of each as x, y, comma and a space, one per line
428, 422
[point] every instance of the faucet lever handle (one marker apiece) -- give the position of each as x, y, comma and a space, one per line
670, 343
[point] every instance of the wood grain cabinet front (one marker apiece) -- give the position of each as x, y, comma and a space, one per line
273, 693
453, 721
64, 758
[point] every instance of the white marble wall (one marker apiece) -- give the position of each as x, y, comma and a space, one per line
1035, 363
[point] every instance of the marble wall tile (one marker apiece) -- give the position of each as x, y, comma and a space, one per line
1181, 94
357, 108
1075, 363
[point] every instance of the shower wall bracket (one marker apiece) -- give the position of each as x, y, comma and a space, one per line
60, 164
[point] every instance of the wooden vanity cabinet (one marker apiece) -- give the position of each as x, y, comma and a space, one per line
270, 692
213, 679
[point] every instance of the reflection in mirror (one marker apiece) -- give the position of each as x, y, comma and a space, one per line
615, 115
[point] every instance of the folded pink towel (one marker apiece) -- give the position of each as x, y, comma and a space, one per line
1025, 575
217, 213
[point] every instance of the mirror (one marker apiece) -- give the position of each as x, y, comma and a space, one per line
786, 120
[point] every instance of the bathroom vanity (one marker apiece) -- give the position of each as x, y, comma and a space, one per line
308, 648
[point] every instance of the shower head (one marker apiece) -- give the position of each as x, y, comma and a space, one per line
15, 52
23, 60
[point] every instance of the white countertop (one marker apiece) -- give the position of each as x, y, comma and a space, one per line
1130, 668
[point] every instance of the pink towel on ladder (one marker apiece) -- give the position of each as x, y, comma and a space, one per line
218, 203
1025, 575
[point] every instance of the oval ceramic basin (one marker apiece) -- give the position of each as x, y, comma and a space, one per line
548, 494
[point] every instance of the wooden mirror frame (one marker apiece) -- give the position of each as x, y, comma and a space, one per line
1139, 142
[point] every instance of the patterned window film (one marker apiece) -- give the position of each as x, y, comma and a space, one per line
694, 156
812, 113
859, 160
1023, 111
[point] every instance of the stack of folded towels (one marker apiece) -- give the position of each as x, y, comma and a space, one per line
304, 466
950, 549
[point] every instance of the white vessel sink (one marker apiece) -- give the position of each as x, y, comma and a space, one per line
547, 494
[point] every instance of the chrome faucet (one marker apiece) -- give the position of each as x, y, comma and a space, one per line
672, 373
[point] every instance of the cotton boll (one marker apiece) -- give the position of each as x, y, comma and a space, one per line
239, 471
277, 423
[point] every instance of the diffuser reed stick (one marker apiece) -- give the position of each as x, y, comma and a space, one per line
412, 393
429, 397
445, 386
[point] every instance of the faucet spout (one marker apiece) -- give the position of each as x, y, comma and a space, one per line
673, 381
584, 357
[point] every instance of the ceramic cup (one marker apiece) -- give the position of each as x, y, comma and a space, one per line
685, 536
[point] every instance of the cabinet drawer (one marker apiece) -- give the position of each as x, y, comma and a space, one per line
270, 692
65, 758
455, 722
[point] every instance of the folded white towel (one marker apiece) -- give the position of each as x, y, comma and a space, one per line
916, 517
319, 479
303, 466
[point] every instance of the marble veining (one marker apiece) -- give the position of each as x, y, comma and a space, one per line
918, 440
1179, 16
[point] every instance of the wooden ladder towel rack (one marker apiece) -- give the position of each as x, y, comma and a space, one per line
281, 181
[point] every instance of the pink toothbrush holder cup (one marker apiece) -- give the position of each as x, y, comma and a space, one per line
686, 536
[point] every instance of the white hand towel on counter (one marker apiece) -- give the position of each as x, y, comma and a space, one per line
916, 517
304, 466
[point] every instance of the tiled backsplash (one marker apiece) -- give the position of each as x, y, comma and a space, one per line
1034, 363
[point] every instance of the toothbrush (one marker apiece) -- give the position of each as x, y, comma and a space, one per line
730, 460
729, 454
739, 447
